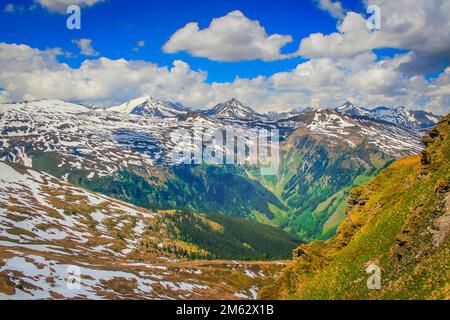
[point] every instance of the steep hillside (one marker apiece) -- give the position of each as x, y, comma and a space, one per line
400, 222
326, 156
316, 179
209, 189
48, 227
223, 237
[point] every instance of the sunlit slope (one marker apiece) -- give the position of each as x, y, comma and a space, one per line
400, 221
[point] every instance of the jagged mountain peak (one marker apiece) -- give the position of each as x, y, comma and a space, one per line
351, 109
397, 115
401, 116
348, 104
148, 106
232, 109
336, 127
129, 106
234, 100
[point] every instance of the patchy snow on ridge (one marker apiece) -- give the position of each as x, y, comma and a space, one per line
49, 228
147, 106
391, 139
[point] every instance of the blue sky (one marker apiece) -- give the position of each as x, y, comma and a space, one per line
291, 53
116, 26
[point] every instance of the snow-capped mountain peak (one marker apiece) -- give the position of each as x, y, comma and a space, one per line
401, 116
129, 106
148, 106
335, 127
349, 108
232, 109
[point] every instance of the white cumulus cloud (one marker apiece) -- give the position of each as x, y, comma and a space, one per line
29, 73
230, 38
417, 25
334, 8
85, 46
60, 6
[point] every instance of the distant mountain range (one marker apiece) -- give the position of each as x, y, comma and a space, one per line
412, 119
148, 106
235, 110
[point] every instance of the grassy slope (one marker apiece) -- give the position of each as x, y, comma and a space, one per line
314, 181
400, 221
